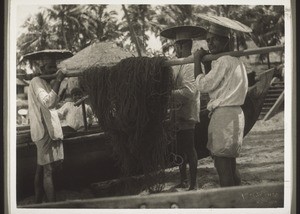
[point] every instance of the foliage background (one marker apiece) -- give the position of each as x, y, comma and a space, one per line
74, 27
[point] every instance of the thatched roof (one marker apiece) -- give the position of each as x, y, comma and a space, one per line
97, 54
53, 54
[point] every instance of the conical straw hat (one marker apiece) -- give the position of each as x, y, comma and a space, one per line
226, 22
183, 32
51, 53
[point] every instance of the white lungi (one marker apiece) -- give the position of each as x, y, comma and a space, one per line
226, 131
49, 150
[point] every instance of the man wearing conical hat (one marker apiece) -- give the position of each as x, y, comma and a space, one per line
186, 100
45, 127
226, 83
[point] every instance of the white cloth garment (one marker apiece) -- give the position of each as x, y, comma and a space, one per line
73, 115
226, 131
45, 127
226, 83
186, 97
41, 105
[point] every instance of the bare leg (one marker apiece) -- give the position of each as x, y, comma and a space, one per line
186, 142
183, 176
192, 157
193, 161
48, 182
182, 167
38, 184
236, 173
224, 169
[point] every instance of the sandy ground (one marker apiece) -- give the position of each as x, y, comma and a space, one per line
261, 161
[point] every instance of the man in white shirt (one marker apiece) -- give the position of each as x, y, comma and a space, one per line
227, 84
45, 128
72, 114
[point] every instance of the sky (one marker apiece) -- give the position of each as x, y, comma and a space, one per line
26, 11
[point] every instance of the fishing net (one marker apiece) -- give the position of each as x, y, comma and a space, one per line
131, 100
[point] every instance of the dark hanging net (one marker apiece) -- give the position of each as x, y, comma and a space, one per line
130, 100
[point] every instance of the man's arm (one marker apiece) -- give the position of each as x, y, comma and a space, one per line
197, 62
48, 100
208, 82
59, 78
188, 87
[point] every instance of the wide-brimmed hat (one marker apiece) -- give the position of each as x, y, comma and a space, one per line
183, 32
50, 54
223, 26
219, 30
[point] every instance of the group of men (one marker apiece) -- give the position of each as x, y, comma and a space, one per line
225, 80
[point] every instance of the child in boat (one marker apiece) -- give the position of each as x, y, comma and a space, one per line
73, 115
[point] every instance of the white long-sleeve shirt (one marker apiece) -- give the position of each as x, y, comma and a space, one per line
74, 116
186, 96
41, 107
226, 83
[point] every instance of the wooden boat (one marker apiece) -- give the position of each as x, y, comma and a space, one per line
88, 156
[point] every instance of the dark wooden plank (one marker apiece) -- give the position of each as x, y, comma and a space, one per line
256, 196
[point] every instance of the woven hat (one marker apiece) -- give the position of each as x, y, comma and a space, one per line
222, 25
48, 54
219, 30
183, 32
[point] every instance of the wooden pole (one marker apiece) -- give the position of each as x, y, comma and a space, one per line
211, 57
181, 61
84, 116
82, 103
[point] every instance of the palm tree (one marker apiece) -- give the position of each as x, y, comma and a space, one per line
67, 24
171, 15
38, 36
141, 20
99, 24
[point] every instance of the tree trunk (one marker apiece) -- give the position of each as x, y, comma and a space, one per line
64, 33
132, 33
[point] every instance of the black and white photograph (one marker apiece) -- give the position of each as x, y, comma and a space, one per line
129, 107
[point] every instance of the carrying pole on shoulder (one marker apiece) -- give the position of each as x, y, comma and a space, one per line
173, 62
